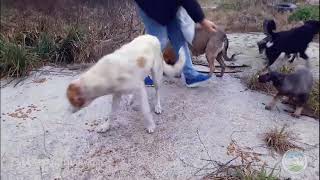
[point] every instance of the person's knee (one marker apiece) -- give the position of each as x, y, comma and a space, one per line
163, 42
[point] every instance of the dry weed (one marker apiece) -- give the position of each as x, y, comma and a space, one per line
280, 140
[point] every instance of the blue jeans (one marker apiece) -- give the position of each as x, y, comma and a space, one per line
172, 32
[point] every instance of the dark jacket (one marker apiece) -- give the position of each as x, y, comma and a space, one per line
164, 11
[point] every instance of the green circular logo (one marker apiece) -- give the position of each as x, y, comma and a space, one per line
294, 161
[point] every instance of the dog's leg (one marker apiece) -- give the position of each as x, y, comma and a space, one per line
116, 98
273, 102
286, 100
134, 102
210, 58
305, 57
297, 112
157, 78
222, 64
272, 55
148, 120
292, 58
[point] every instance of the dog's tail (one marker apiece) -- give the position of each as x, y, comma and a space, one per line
225, 50
269, 26
176, 69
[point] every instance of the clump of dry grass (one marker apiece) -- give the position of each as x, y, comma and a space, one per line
253, 83
280, 140
286, 69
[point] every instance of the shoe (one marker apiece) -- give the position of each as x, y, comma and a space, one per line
148, 81
197, 80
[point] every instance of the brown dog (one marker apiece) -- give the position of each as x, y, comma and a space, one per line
213, 44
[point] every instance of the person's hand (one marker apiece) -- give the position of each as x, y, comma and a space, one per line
208, 25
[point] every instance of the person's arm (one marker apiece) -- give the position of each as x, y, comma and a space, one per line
194, 10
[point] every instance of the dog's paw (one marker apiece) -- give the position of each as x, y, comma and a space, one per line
151, 128
158, 109
268, 107
295, 115
136, 107
130, 100
103, 128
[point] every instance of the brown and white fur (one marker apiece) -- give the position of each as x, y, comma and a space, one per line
123, 72
213, 44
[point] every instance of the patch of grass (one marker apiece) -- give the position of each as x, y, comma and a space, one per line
27, 38
280, 140
314, 98
252, 83
46, 46
70, 46
16, 60
286, 69
307, 12
256, 174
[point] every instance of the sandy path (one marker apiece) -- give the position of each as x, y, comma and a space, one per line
50, 143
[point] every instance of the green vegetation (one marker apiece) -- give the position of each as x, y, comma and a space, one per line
46, 46
307, 12
69, 47
16, 60
314, 98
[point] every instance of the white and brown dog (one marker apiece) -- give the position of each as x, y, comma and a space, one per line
123, 72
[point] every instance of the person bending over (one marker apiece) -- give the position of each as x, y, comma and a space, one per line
160, 19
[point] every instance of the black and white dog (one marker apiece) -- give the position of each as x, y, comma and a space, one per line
262, 45
293, 41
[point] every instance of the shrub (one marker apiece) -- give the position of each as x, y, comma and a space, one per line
70, 46
310, 12
46, 46
16, 60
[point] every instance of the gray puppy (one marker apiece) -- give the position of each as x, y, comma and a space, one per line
296, 86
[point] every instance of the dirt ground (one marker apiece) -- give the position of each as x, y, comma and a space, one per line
40, 139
